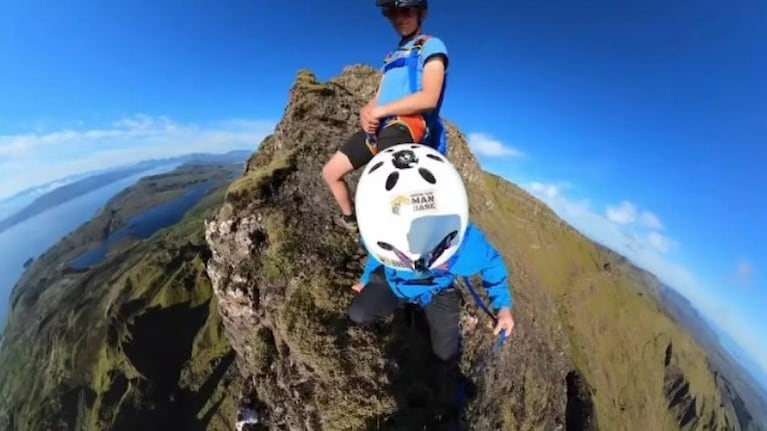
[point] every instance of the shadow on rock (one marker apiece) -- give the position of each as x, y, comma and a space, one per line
161, 343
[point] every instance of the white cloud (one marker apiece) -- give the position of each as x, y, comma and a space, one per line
624, 213
661, 242
485, 145
615, 230
549, 190
650, 220
33, 159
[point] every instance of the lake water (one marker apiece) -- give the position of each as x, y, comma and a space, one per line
145, 224
37, 234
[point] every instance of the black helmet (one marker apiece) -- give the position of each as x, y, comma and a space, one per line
386, 4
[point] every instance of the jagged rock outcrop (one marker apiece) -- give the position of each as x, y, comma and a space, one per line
282, 272
683, 403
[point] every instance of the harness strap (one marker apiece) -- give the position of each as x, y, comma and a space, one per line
412, 61
477, 299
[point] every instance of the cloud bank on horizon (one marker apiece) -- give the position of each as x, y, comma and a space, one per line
637, 234
33, 159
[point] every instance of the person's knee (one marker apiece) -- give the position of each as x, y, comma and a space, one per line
446, 348
358, 314
329, 173
335, 168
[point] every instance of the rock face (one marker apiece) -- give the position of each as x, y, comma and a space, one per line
684, 404
282, 272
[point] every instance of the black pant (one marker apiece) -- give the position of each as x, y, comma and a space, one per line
359, 153
377, 300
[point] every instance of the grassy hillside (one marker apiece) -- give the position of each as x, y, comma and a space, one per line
619, 337
135, 341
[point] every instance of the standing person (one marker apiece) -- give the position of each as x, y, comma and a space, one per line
414, 221
405, 108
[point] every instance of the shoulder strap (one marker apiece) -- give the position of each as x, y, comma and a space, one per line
409, 60
435, 130
412, 60
420, 40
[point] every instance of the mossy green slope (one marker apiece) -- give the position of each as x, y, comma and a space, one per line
134, 342
621, 340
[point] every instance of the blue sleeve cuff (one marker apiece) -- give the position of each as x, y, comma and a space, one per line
371, 263
433, 46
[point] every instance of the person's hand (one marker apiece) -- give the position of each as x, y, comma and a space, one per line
368, 121
377, 112
505, 322
358, 287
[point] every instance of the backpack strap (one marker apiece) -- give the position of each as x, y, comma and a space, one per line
412, 60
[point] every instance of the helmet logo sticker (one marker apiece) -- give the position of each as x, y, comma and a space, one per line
397, 202
418, 202
404, 159
423, 201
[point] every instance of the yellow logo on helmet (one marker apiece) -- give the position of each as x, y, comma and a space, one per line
397, 203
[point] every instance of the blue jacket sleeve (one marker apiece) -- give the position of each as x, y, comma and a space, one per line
489, 263
371, 263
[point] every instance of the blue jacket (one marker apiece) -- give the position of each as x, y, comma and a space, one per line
475, 255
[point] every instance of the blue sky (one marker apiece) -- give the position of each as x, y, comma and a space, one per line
643, 124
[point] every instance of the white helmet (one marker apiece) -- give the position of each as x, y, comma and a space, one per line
411, 207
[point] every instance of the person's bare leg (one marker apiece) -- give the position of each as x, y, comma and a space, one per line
333, 172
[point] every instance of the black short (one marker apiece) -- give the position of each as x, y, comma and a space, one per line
359, 153
443, 312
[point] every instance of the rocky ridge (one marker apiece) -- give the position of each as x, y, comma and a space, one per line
281, 271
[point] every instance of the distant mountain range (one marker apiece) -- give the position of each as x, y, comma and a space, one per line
62, 190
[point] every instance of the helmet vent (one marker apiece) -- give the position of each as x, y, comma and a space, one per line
391, 180
376, 166
437, 158
385, 245
426, 175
